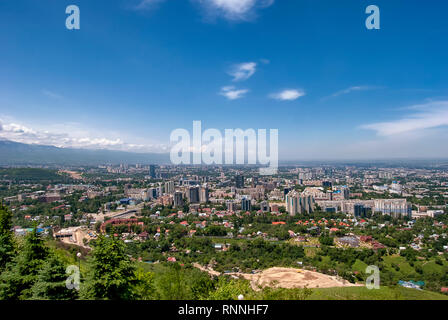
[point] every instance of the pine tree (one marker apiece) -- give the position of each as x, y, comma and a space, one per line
21, 273
51, 282
6, 237
112, 274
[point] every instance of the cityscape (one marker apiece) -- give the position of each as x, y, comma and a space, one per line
310, 226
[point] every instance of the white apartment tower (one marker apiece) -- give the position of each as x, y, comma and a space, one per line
297, 203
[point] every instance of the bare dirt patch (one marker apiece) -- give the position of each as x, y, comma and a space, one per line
287, 278
73, 174
293, 278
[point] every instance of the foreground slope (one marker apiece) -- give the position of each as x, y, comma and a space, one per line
384, 293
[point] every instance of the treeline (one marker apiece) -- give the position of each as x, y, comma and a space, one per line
34, 175
350, 264
30, 269
245, 255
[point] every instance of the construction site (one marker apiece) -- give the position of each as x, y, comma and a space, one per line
287, 278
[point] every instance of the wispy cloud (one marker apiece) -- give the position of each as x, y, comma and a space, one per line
235, 10
288, 94
147, 4
352, 89
51, 94
431, 115
232, 93
242, 71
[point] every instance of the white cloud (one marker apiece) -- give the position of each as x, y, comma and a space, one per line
432, 115
18, 129
51, 94
288, 94
236, 10
78, 138
421, 133
231, 93
243, 71
352, 89
147, 4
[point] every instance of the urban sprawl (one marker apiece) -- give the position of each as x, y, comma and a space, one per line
312, 227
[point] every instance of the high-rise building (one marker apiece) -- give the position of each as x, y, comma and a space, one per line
346, 193
159, 191
360, 210
203, 194
305, 176
385, 175
306, 204
393, 207
151, 193
193, 194
246, 204
341, 193
254, 181
239, 181
264, 206
327, 184
188, 182
169, 187
152, 171
230, 205
178, 199
298, 203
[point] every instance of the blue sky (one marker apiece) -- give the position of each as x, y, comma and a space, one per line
136, 70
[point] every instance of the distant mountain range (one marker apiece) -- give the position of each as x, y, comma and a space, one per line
21, 154
15, 153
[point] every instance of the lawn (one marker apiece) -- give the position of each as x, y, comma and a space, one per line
384, 293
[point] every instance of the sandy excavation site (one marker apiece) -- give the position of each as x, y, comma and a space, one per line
293, 278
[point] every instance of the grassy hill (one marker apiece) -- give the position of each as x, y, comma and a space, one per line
384, 293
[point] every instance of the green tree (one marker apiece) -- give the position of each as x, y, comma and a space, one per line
230, 289
6, 237
172, 284
269, 293
21, 273
144, 290
326, 240
112, 274
201, 285
50, 284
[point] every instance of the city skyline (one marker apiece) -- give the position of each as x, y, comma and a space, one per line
137, 70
